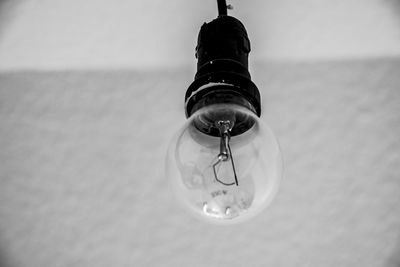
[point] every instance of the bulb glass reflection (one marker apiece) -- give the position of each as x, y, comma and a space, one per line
225, 164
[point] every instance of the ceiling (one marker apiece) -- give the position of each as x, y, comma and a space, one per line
59, 34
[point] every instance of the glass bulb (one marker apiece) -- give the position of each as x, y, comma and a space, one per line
224, 165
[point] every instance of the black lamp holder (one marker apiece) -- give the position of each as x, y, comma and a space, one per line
222, 72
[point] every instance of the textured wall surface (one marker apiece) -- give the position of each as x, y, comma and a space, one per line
82, 170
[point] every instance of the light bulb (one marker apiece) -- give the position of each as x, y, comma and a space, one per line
224, 164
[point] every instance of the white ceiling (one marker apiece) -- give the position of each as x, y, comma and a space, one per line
60, 34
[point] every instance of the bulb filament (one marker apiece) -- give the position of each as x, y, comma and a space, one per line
225, 153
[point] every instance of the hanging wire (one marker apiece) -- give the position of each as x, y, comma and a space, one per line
222, 8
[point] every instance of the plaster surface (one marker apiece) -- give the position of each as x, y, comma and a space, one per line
82, 170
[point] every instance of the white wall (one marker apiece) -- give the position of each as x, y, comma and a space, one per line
83, 183
59, 34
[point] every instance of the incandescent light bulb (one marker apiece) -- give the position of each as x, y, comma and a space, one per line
227, 177
224, 164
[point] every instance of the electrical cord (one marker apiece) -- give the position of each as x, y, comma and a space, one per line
222, 8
